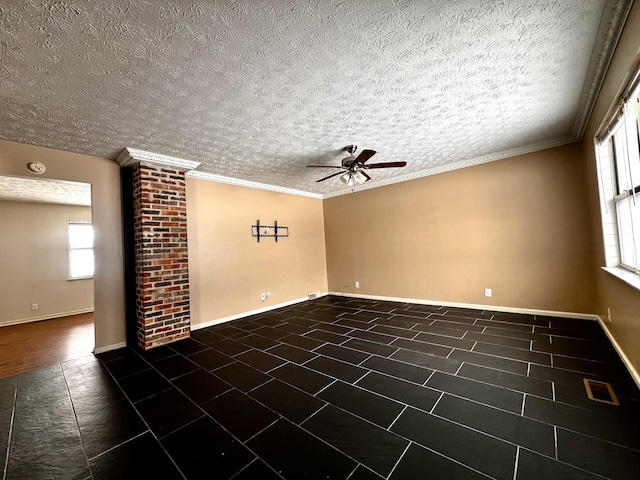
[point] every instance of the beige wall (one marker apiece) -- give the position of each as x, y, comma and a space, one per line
104, 177
623, 300
518, 226
228, 268
34, 255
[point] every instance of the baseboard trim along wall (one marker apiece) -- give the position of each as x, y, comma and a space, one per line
494, 308
253, 312
621, 354
7, 323
115, 346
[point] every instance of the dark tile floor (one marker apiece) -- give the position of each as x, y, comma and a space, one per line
334, 388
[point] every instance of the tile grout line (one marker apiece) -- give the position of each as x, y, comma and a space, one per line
362, 376
120, 444
275, 368
259, 432
13, 415
524, 397
555, 439
515, 468
335, 380
396, 419
436, 404
399, 459
353, 471
370, 355
429, 378
77, 423
269, 380
313, 414
235, 475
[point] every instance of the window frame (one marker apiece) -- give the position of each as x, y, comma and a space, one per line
611, 185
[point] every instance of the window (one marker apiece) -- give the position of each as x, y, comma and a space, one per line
618, 152
80, 250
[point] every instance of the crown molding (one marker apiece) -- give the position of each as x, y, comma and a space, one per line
611, 25
131, 156
456, 166
245, 183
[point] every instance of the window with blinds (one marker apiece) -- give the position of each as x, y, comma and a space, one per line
619, 161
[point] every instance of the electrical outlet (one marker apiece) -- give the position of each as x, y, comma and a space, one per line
608, 313
488, 292
263, 297
357, 284
34, 306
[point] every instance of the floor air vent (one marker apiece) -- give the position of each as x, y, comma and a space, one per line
600, 392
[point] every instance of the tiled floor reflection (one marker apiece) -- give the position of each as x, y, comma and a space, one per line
334, 388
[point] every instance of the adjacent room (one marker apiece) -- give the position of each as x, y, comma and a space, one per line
47, 265
362, 240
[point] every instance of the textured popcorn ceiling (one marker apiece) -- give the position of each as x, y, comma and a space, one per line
257, 90
44, 191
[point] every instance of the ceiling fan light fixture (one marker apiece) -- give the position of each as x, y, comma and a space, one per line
347, 179
352, 178
359, 178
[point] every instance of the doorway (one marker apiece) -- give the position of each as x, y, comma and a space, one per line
46, 310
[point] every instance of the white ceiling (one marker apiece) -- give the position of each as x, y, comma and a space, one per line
44, 191
257, 90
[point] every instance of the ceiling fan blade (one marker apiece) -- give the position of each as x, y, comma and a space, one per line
327, 178
367, 176
322, 166
386, 165
365, 155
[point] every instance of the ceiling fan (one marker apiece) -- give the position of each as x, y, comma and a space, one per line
353, 168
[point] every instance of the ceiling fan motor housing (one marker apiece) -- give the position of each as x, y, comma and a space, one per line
347, 162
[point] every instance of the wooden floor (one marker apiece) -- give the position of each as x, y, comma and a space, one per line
30, 346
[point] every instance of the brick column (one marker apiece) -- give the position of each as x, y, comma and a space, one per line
159, 240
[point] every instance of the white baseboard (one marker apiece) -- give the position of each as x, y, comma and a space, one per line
108, 348
252, 312
627, 363
49, 316
493, 308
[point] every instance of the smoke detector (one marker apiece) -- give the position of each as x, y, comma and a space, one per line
36, 167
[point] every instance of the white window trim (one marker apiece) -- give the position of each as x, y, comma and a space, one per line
625, 275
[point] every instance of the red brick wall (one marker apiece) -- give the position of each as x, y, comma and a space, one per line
162, 275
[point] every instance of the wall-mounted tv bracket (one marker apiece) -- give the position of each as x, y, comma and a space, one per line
274, 230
